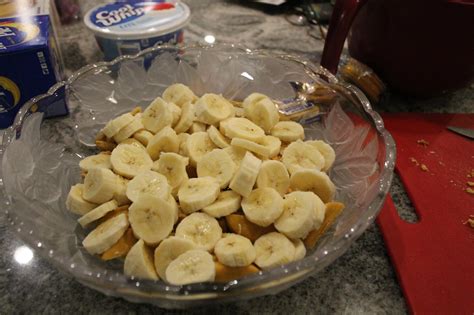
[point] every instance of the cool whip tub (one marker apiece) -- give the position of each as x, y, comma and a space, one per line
127, 27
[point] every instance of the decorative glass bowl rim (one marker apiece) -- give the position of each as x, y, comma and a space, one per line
124, 287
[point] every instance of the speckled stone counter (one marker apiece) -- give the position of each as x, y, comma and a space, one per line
361, 281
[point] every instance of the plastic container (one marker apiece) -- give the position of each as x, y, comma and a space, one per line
127, 27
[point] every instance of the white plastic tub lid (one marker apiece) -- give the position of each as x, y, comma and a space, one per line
136, 19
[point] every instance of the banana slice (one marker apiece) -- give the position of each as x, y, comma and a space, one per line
273, 249
187, 118
225, 273
168, 250
246, 175
197, 145
217, 138
288, 131
76, 203
239, 224
272, 143
326, 151
299, 155
164, 141
234, 250
128, 131
151, 218
197, 193
114, 126
144, 136
236, 154
300, 249
315, 181
217, 164
212, 108
296, 221
100, 185
227, 202
149, 183
173, 167
179, 94
99, 160
97, 213
139, 262
197, 127
134, 142
263, 206
201, 229
106, 234
157, 115
273, 174
129, 160
193, 266
182, 138
174, 207
175, 112
241, 128
120, 194
239, 112
261, 110
310, 200
254, 147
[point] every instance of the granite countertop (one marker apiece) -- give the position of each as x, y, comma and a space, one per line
361, 281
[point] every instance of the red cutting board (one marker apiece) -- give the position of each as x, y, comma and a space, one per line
434, 258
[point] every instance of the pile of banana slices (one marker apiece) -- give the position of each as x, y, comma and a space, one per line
197, 189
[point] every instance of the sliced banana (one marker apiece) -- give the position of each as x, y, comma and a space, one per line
227, 202
168, 250
273, 249
217, 164
179, 94
128, 160
234, 250
152, 218
273, 174
217, 138
326, 151
296, 221
197, 145
114, 126
182, 138
310, 200
76, 203
261, 110
173, 167
197, 193
97, 213
120, 194
201, 229
246, 175
139, 262
149, 183
157, 115
166, 140
236, 154
300, 249
176, 112
239, 112
263, 206
212, 108
134, 142
128, 131
174, 207
299, 155
315, 181
144, 136
254, 147
193, 266
99, 185
288, 131
99, 160
187, 118
106, 234
272, 143
197, 127
241, 128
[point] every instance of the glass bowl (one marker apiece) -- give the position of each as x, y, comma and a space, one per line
40, 159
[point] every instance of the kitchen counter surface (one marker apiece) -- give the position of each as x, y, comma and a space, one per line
361, 281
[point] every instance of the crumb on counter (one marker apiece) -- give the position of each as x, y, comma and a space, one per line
424, 168
470, 221
423, 142
441, 163
414, 161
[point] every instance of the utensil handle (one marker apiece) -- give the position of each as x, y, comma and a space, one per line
343, 14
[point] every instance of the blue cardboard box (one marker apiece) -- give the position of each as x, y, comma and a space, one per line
30, 61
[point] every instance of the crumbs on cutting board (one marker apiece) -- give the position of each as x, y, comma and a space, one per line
469, 190
423, 142
470, 221
424, 168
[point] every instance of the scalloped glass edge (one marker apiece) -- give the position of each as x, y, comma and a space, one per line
278, 278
